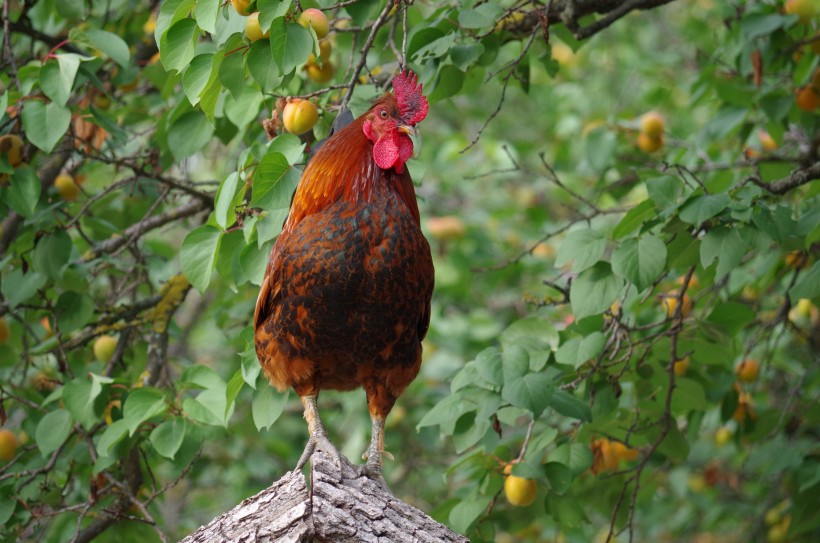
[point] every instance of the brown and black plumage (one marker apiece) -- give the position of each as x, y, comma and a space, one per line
345, 301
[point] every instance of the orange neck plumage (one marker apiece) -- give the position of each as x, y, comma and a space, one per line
344, 168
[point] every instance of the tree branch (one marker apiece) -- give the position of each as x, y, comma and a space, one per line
136, 230
340, 507
796, 179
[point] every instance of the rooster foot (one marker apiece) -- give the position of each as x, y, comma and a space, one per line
320, 441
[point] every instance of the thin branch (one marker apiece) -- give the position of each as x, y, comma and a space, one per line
380, 20
111, 245
796, 179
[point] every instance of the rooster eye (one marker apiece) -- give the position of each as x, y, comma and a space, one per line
383, 113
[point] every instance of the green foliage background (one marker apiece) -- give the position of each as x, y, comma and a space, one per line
549, 339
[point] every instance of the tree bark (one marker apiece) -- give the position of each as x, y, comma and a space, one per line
342, 506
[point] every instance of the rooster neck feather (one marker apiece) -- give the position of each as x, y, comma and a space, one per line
344, 168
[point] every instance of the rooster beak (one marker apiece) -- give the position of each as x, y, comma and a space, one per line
415, 137
407, 129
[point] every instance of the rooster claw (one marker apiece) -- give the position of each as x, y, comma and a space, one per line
320, 441
373, 471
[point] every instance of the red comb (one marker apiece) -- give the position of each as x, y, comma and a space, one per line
412, 103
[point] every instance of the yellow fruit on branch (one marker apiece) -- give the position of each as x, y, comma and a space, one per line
109, 408
4, 329
766, 140
807, 98
748, 370
681, 366
46, 324
317, 19
252, 29
649, 144
804, 9
448, 227
653, 124
11, 146
722, 436
66, 187
320, 74
519, 491
8, 444
241, 6
670, 304
796, 259
104, 348
299, 116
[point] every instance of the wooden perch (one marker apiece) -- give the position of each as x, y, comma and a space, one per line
353, 509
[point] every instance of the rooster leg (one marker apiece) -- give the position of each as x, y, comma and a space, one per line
318, 434
375, 451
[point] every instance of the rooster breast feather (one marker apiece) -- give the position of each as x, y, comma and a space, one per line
346, 297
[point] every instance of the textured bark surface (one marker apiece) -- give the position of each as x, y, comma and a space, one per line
341, 506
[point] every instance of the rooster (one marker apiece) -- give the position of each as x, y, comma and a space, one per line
345, 301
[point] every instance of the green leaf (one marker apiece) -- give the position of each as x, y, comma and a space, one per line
45, 124
52, 253
445, 413
189, 133
74, 310
262, 66
732, 316
52, 430
536, 335
167, 437
198, 255
141, 405
579, 351
559, 476
726, 245
488, 365
640, 261
254, 260
271, 9
57, 78
674, 445
290, 44
665, 191
232, 390
583, 247
530, 391
702, 208
250, 366
178, 44
594, 290
108, 43
634, 219
111, 436
223, 208
482, 16
77, 399
464, 56
197, 76
274, 182
576, 455
761, 24
17, 287
24, 192
449, 82
267, 406
565, 510
568, 405
808, 284
206, 13
688, 396
228, 258
465, 513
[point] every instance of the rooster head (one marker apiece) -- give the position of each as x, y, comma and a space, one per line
392, 119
